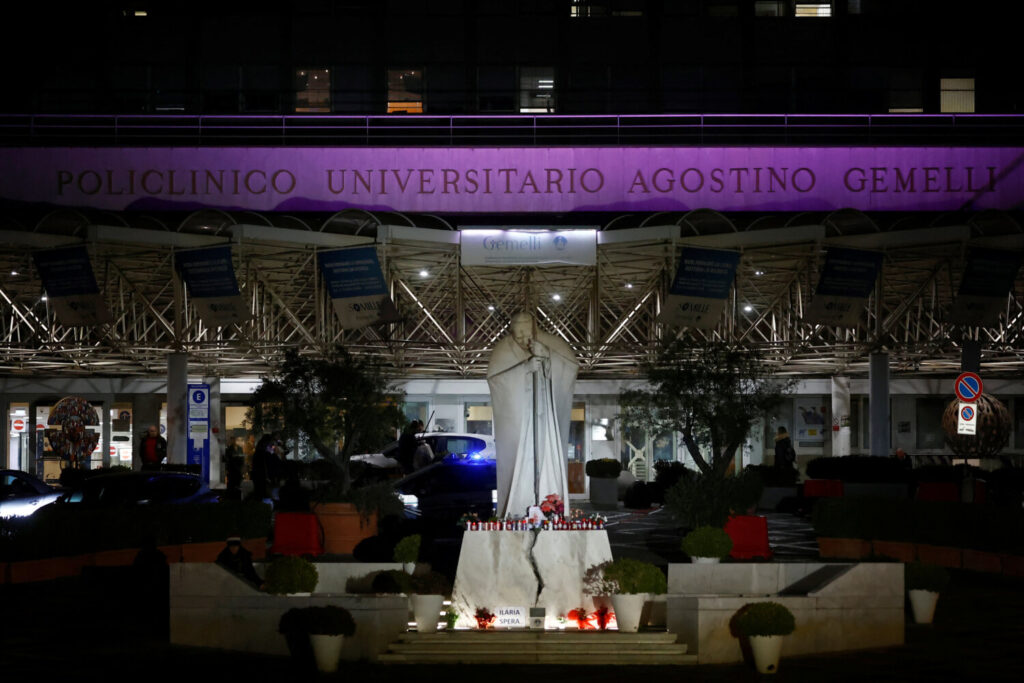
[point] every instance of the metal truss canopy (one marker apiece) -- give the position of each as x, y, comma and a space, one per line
452, 316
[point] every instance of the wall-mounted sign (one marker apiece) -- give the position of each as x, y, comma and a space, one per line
846, 281
356, 286
209, 277
700, 288
71, 287
528, 247
517, 179
199, 428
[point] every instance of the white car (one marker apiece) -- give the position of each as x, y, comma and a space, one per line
21, 494
444, 444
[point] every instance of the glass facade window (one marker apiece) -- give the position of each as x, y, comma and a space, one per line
537, 90
405, 91
770, 8
813, 9
930, 435
312, 90
479, 418
956, 96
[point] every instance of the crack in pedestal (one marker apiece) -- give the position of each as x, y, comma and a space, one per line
533, 563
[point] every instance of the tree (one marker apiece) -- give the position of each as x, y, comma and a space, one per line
341, 405
710, 394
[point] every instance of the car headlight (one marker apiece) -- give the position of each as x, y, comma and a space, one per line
409, 500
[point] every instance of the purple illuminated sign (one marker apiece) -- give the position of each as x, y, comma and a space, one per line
518, 179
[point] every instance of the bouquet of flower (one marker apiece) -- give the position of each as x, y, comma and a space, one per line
468, 518
552, 505
484, 618
580, 616
594, 582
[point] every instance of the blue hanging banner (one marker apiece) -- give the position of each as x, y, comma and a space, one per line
70, 285
209, 276
846, 282
988, 279
356, 286
199, 428
701, 287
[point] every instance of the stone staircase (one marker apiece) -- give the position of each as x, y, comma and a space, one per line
593, 648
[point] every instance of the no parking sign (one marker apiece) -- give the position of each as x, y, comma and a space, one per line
967, 418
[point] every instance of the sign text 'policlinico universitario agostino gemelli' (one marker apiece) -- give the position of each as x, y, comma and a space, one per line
517, 179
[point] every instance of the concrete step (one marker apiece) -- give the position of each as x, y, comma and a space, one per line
596, 648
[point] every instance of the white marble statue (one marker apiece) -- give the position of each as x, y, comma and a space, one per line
531, 376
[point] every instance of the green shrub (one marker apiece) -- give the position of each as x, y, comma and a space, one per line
290, 574
764, 619
604, 468
329, 620
708, 500
773, 476
634, 576
431, 583
707, 541
925, 577
408, 549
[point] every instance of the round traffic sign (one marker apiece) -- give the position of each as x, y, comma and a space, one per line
968, 387
967, 413
18, 425
113, 451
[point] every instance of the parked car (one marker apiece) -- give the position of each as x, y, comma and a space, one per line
21, 494
139, 488
442, 492
444, 444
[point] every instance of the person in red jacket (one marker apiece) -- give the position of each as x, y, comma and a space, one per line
152, 448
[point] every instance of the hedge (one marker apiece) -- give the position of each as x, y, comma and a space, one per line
60, 530
866, 469
963, 525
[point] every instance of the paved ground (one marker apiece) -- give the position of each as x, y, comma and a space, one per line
83, 629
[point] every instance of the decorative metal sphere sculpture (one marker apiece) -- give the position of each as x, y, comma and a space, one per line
70, 439
993, 429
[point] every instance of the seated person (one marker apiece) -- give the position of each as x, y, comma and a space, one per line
238, 561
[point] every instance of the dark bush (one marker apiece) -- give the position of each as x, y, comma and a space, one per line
666, 475
604, 468
773, 476
640, 496
860, 469
708, 500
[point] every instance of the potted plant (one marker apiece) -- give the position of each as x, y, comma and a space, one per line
484, 618
924, 582
604, 482
707, 545
288, 575
326, 628
349, 516
407, 551
764, 623
633, 581
427, 594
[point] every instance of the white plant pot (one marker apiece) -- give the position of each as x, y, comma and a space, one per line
628, 608
327, 651
766, 651
409, 567
426, 610
705, 560
923, 605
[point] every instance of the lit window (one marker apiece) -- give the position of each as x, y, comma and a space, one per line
957, 96
814, 9
770, 8
312, 90
537, 90
405, 91
606, 8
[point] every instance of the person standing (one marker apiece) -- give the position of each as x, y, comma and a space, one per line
785, 454
407, 444
266, 466
152, 448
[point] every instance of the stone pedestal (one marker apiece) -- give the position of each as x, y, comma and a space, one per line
526, 569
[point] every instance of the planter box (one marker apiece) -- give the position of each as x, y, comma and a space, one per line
256, 546
29, 571
944, 556
823, 488
344, 527
844, 548
171, 552
897, 550
981, 561
114, 558
892, 491
604, 493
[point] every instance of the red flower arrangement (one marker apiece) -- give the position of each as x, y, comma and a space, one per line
552, 505
603, 617
484, 618
580, 616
